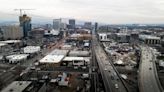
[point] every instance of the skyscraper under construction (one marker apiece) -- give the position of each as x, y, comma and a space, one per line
25, 22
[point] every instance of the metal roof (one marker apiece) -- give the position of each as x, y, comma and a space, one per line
55, 56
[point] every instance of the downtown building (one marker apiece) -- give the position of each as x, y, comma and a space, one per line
72, 24
88, 25
12, 32
25, 23
57, 24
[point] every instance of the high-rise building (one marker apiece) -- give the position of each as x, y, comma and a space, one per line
25, 22
57, 24
88, 25
63, 26
72, 23
12, 32
96, 27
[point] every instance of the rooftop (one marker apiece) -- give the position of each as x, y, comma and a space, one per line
55, 56
148, 37
10, 41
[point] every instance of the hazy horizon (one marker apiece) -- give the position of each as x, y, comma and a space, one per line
104, 11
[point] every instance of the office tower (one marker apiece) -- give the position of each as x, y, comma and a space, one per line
25, 23
88, 25
96, 27
12, 32
57, 24
72, 23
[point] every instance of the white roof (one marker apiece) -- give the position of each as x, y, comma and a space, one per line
79, 53
59, 52
86, 44
11, 41
75, 35
55, 56
161, 63
53, 32
17, 57
73, 59
31, 49
118, 62
67, 46
52, 59
17, 86
148, 37
2, 44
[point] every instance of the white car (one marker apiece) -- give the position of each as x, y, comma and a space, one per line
116, 86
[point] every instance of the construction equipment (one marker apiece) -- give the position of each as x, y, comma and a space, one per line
22, 10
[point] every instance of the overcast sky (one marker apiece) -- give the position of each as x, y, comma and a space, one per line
105, 11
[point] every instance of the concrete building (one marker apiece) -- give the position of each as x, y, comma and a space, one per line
12, 32
88, 25
25, 22
31, 49
149, 39
77, 61
72, 23
54, 57
57, 24
52, 32
37, 33
122, 37
104, 37
17, 58
134, 37
79, 53
63, 26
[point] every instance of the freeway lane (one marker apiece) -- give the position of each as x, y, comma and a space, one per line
148, 78
110, 76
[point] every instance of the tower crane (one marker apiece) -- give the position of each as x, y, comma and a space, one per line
20, 10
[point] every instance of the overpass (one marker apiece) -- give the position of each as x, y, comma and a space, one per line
148, 77
110, 76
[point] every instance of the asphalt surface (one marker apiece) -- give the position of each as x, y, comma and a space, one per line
148, 78
110, 76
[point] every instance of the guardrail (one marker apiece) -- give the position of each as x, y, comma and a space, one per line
156, 74
100, 46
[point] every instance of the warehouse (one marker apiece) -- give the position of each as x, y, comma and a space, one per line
11, 41
17, 58
55, 57
76, 61
79, 53
149, 39
31, 49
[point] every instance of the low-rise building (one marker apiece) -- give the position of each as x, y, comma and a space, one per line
149, 39
31, 49
17, 58
122, 37
76, 61
55, 57
12, 32
79, 53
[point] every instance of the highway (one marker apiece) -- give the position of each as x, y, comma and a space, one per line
110, 76
148, 78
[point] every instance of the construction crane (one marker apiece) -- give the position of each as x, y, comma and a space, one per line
22, 10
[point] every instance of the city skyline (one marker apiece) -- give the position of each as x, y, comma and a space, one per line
104, 11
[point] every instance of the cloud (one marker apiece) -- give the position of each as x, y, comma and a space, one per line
107, 11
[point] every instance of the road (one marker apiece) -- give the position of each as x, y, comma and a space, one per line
148, 78
94, 74
110, 76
